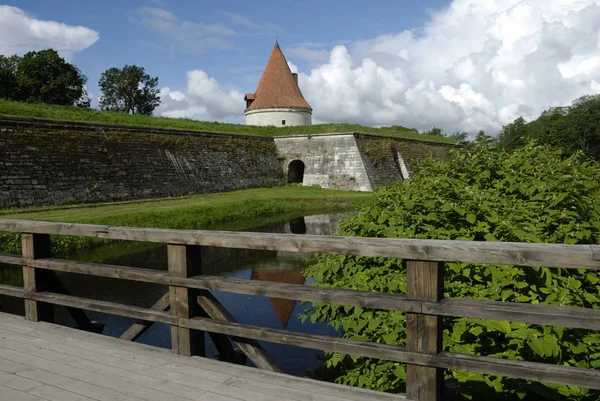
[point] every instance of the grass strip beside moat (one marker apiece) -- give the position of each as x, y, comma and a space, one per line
226, 211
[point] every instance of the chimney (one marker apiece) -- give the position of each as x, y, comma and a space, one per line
295, 77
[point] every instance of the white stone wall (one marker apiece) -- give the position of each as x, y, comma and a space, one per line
275, 117
330, 160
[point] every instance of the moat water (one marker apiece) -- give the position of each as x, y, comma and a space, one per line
273, 266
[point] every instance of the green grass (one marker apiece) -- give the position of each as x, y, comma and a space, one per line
68, 113
226, 211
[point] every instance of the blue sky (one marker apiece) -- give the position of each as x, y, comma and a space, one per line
457, 64
241, 53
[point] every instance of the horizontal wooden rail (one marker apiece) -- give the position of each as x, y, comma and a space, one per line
90, 304
457, 307
448, 360
11, 259
503, 253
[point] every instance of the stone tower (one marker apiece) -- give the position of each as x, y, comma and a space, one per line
278, 100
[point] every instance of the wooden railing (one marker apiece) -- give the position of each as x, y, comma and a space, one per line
424, 302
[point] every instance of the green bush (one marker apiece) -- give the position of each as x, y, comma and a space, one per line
535, 194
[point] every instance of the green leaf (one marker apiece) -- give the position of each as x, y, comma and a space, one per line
459, 210
471, 218
374, 323
477, 330
390, 338
498, 325
400, 372
540, 347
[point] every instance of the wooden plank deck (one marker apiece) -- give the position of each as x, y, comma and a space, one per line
43, 361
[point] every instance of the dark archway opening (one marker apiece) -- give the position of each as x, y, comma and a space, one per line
296, 172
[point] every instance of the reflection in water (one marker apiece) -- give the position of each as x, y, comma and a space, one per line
280, 274
281, 267
298, 225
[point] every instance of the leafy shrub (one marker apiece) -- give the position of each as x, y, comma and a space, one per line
483, 193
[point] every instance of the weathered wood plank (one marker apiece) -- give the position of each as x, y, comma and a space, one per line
184, 261
15, 395
140, 326
12, 291
158, 360
510, 253
102, 306
161, 366
71, 367
565, 316
364, 299
424, 282
36, 246
587, 378
10, 259
250, 348
575, 317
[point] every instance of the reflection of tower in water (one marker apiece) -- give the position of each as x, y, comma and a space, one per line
284, 308
289, 266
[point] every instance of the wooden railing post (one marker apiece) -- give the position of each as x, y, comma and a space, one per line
425, 282
184, 261
36, 246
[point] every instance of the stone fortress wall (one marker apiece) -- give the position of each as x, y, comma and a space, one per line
46, 162
43, 163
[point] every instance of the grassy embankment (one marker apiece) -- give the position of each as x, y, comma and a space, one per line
224, 211
51, 112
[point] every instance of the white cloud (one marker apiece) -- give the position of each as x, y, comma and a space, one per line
253, 24
204, 99
20, 33
314, 53
186, 36
477, 64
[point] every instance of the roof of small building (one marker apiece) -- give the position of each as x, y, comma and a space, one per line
277, 86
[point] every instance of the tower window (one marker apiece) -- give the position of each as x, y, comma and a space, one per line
282, 122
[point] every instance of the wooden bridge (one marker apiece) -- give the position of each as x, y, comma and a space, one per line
54, 359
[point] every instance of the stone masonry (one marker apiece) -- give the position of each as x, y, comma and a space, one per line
45, 163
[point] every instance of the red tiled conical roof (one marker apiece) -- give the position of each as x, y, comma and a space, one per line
277, 87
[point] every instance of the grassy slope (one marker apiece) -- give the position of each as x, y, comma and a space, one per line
91, 115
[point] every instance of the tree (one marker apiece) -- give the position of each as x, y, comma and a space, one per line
45, 77
435, 131
460, 137
573, 128
8, 77
512, 135
128, 90
582, 126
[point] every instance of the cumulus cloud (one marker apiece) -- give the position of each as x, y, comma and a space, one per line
20, 33
476, 64
203, 99
186, 36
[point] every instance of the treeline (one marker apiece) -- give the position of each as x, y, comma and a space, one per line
572, 128
45, 77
